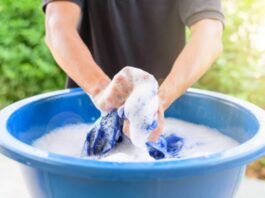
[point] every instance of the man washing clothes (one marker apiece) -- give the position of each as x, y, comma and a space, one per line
93, 40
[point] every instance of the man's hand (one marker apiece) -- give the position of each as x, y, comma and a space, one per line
160, 124
116, 93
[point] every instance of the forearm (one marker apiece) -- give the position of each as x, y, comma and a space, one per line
194, 60
76, 60
71, 53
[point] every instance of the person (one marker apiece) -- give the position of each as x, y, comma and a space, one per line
92, 40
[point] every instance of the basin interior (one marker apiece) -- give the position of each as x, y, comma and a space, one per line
36, 118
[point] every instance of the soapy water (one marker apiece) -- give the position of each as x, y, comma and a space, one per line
104, 140
107, 132
199, 141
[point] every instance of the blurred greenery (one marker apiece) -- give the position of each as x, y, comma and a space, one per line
240, 71
27, 68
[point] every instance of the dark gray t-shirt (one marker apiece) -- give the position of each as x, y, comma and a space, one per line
148, 34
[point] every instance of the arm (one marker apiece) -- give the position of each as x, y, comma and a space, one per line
195, 59
72, 55
68, 49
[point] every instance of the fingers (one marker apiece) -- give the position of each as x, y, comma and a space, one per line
159, 129
125, 129
121, 87
155, 133
116, 92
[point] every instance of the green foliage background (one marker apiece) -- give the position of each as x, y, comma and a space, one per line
27, 68
240, 71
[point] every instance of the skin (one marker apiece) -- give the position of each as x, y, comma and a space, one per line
73, 56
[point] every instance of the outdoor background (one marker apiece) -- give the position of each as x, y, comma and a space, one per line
27, 68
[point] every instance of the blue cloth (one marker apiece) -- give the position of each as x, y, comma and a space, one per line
104, 135
167, 146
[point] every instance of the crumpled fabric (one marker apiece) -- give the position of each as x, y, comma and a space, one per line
107, 132
103, 135
167, 146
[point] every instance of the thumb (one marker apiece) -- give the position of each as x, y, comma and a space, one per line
158, 130
125, 129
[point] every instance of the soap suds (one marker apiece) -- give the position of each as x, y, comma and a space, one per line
141, 106
199, 140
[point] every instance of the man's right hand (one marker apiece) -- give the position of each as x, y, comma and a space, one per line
72, 55
116, 93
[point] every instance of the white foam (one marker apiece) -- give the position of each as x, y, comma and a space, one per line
198, 141
141, 106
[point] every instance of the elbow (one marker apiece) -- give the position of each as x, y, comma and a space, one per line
218, 48
54, 31
48, 39
211, 32
216, 43
217, 34
50, 28
58, 32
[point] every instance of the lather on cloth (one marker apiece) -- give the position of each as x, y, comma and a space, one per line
140, 109
107, 132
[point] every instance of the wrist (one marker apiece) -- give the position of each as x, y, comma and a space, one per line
98, 85
167, 93
163, 98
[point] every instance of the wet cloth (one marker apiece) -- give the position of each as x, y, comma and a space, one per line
106, 133
140, 109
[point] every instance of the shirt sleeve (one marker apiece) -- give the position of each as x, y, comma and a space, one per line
80, 3
192, 11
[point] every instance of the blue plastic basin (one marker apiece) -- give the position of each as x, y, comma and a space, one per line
50, 175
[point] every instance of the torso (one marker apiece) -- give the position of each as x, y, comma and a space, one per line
143, 33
